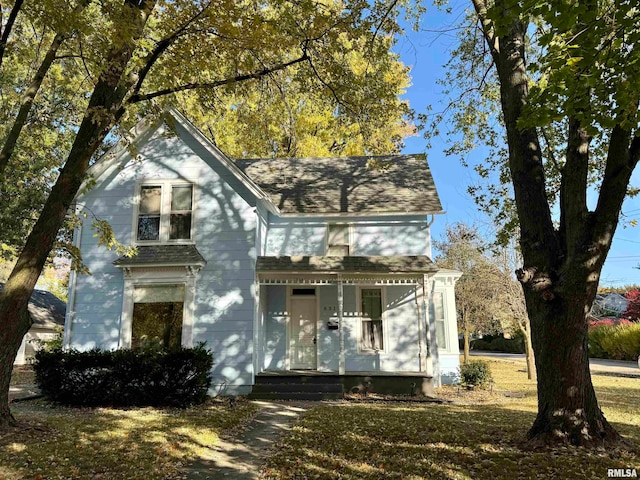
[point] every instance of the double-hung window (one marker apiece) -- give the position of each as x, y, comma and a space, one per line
372, 337
165, 212
338, 240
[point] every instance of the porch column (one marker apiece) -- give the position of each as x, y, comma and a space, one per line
341, 362
421, 328
426, 327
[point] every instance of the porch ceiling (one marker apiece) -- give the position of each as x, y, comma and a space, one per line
402, 264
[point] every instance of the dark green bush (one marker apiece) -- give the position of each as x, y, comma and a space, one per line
176, 377
499, 344
476, 372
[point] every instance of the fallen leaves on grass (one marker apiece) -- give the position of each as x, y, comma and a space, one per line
479, 436
140, 443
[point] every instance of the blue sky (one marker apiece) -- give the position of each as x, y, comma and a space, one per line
426, 52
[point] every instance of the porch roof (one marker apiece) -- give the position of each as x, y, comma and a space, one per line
385, 265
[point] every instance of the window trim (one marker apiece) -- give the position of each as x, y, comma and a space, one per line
165, 211
385, 337
164, 276
350, 237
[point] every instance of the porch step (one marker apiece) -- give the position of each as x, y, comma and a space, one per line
297, 387
295, 396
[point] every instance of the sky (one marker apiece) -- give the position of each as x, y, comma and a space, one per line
426, 52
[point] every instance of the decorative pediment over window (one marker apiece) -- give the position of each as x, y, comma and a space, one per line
163, 256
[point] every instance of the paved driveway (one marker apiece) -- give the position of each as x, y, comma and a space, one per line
598, 365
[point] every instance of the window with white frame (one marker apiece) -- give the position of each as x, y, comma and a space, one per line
338, 240
165, 212
372, 337
157, 315
437, 313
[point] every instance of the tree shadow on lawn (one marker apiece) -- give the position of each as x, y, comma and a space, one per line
431, 441
138, 443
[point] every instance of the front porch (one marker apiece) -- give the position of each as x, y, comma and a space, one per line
346, 316
316, 385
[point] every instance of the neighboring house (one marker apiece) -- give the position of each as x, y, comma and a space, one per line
609, 305
47, 313
280, 266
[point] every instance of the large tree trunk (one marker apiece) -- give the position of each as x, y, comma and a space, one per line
561, 265
568, 410
104, 110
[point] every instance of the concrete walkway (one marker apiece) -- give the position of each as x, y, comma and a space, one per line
600, 366
242, 457
22, 390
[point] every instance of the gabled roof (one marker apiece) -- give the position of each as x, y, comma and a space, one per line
338, 186
165, 255
45, 309
144, 128
347, 185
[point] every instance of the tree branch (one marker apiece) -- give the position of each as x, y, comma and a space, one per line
480, 7
162, 47
136, 98
573, 188
27, 101
4, 39
622, 158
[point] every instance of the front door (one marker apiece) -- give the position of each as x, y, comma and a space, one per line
302, 352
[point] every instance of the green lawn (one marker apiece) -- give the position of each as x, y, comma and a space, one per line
138, 443
479, 437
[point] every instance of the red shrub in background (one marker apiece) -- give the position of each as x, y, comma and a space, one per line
633, 310
610, 322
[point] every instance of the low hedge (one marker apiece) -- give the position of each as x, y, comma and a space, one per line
176, 377
499, 344
618, 342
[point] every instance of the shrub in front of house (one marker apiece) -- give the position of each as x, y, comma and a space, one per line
618, 342
475, 372
176, 377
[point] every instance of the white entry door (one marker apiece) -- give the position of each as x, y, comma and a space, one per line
302, 352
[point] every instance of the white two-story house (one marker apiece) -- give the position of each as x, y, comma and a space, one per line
294, 267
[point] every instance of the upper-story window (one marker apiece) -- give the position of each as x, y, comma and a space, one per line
165, 212
338, 240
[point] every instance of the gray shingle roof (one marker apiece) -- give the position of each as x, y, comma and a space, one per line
163, 255
382, 184
45, 308
326, 264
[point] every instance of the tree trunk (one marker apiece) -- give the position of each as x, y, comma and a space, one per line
10, 340
568, 410
104, 111
561, 265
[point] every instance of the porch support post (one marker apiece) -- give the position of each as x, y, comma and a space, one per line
421, 328
426, 328
341, 362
